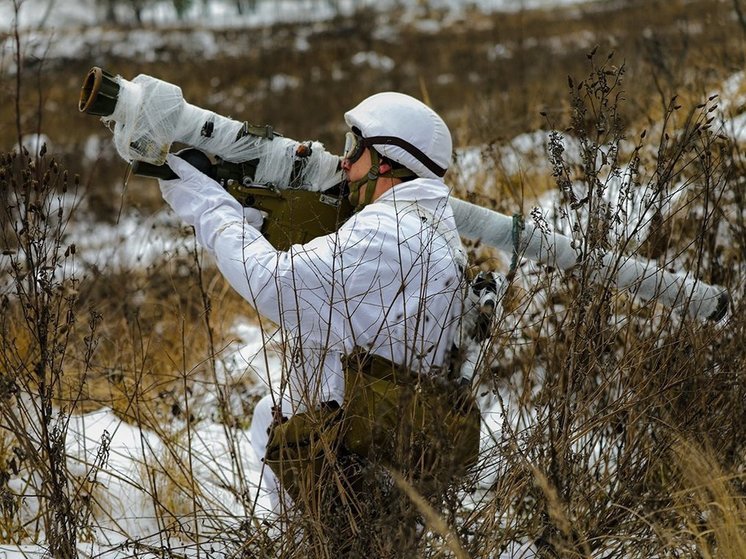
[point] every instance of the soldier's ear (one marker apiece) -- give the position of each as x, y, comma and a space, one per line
384, 167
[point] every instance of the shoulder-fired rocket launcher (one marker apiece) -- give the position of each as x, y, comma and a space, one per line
301, 186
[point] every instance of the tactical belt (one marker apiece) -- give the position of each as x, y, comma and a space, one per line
383, 369
378, 367
423, 425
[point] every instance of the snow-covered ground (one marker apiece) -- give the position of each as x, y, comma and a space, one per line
122, 485
61, 14
70, 29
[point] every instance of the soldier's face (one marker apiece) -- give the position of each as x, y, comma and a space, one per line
357, 169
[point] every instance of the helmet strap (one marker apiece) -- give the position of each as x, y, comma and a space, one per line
374, 173
369, 181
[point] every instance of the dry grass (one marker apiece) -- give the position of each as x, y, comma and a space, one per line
713, 510
141, 339
632, 443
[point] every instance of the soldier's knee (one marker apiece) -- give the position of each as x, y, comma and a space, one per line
261, 422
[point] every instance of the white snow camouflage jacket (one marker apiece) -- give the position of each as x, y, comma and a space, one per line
387, 281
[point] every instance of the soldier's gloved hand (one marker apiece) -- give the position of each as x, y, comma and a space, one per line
254, 217
194, 193
205, 205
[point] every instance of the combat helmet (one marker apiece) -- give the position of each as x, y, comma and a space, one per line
404, 130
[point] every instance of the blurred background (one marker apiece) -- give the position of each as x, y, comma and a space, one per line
129, 369
490, 67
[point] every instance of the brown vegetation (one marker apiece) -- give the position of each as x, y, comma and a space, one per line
632, 443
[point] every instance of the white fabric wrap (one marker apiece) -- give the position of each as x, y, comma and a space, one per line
151, 114
386, 281
643, 278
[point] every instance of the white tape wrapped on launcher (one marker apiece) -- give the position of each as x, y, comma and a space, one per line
641, 277
151, 114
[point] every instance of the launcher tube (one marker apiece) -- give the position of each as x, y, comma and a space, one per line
643, 278
149, 115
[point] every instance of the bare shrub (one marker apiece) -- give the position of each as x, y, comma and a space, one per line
619, 432
596, 400
38, 318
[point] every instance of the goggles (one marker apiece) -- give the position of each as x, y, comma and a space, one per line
354, 147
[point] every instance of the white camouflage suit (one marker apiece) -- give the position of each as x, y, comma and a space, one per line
388, 281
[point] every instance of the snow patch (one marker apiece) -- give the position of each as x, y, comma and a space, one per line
282, 82
373, 60
34, 142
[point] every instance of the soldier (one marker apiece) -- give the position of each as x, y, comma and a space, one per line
371, 312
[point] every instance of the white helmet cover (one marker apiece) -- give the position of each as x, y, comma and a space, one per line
404, 130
